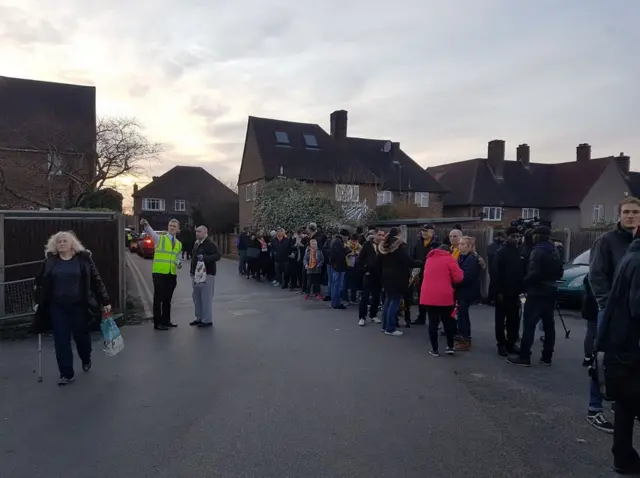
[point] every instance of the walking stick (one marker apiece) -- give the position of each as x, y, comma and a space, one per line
39, 357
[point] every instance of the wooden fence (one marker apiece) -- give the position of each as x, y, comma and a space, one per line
23, 235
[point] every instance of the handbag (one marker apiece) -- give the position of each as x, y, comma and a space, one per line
112, 341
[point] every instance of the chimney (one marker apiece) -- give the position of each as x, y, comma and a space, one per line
135, 188
523, 154
495, 158
624, 163
583, 152
153, 178
339, 126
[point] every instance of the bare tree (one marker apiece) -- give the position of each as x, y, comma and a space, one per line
60, 166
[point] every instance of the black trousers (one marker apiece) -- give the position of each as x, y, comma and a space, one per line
442, 314
627, 410
507, 315
313, 283
538, 308
163, 287
293, 277
370, 297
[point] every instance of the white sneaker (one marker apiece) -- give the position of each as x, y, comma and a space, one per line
395, 333
375, 320
361, 322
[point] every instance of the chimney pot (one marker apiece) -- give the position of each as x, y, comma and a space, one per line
339, 126
495, 157
135, 188
583, 152
523, 154
624, 162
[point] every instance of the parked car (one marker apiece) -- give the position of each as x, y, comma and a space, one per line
570, 287
133, 243
145, 247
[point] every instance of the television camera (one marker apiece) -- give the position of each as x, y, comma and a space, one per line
524, 225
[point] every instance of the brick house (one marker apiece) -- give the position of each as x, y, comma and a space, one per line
47, 135
179, 192
361, 173
574, 194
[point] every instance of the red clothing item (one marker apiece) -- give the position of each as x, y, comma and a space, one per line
441, 272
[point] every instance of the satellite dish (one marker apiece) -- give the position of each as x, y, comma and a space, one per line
387, 147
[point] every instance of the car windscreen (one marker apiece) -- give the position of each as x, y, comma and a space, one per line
582, 259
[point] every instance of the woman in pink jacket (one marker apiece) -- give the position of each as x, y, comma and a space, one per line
441, 273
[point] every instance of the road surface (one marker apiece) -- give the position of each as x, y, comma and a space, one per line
282, 387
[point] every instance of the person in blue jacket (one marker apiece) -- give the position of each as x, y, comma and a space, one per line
468, 291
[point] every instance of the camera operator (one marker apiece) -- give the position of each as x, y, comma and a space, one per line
544, 269
507, 277
492, 250
606, 254
619, 339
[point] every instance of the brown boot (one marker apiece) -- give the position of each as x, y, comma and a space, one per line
462, 345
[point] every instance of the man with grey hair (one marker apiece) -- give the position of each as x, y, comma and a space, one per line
207, 254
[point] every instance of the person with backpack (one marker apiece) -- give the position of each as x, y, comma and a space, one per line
543, 271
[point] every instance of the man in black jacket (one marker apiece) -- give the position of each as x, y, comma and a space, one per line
425, 243
619, 339
338, 267
507, 272
606, 254
243, 239
371, 286
281, 249
492, 250
205, 252
540, 282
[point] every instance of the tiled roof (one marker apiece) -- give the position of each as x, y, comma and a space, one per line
541, 185
41, 114
360, 161
633, 180
187, 182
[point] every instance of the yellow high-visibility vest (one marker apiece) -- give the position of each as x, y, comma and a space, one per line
165, 257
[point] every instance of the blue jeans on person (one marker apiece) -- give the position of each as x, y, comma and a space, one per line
337, 284
390, 311
464, 320
329, 272
595, 397
69, 321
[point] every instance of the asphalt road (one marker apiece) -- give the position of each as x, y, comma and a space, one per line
282, 387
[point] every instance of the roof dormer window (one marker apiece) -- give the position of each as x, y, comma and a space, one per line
310, 141
282, 138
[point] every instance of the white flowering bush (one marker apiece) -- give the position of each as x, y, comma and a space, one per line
292, 204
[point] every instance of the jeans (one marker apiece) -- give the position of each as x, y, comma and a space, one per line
202, 295
595, 397
329, 272
242, 262
70, 321
337, 283
464, 320
439, 314
507, 315
536, 308
350, 290
390, 310
370, 297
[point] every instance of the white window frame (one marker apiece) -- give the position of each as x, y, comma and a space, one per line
421, 199
54, 164
347, 192
250, 191
180, 205
530, 212
616, 213
597, 213
147, 204
384, 197
497, 213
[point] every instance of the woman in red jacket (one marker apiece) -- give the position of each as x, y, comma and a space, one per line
441, 273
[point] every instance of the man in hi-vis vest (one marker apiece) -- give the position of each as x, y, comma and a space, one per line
166, 262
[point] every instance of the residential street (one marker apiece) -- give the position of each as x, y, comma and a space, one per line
282, 387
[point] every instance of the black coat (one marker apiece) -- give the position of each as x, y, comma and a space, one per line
95, 293
338, 254
589, 303
469, 288
210, 255
507, 271
420, 252
543, 271
395, 266
368, 260
281, 249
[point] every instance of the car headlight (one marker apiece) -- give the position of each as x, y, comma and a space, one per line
577, 282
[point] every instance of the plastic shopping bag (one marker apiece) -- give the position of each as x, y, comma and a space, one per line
200, 274
113, 343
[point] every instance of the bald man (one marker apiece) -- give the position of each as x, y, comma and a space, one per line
206, 251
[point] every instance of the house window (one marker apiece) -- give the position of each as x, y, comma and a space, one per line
151, 204
347, 192
311, 141
282, 137
54, 164
384, 197
491, 213
530, 212
180, 205
250, 191
616, 213
421, 199
598, 213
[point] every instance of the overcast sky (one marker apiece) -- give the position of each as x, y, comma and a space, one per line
441, 77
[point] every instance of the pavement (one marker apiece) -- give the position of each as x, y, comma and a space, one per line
283, 387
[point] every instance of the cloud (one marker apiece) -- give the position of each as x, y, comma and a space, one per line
138, 90
25, 29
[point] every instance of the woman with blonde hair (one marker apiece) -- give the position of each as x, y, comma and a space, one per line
68, 293
467, 291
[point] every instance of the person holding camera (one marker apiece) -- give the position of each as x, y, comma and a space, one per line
543, 271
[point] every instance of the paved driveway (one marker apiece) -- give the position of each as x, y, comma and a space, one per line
288, 388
